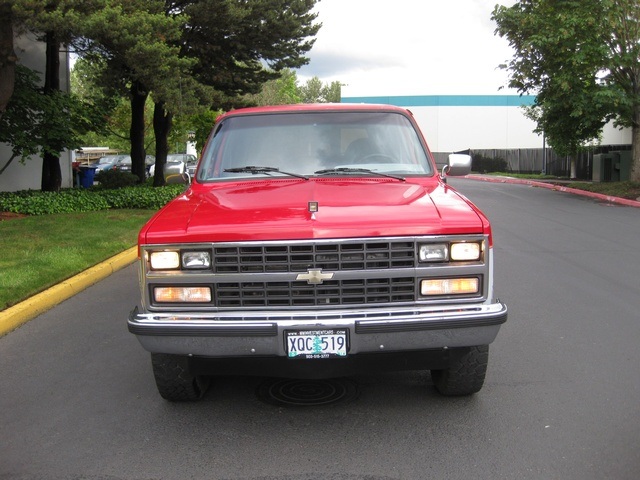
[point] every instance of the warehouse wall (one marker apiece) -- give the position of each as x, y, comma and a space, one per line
459, 122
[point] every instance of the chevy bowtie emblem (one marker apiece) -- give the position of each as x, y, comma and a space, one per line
314, 276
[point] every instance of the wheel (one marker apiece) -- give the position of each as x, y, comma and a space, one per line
465, 376
173, 379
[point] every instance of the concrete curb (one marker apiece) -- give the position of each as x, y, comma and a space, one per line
559, 188
14, 316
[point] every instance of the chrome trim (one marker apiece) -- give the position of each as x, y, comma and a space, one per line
251, 324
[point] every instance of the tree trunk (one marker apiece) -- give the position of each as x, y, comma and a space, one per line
8, 57
51, 174
634, 175
139, 96
162, 121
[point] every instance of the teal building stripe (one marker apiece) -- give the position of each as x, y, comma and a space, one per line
448, 100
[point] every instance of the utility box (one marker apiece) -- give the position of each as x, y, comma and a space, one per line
623, 166
612, 166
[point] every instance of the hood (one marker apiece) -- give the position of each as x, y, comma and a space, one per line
295, 209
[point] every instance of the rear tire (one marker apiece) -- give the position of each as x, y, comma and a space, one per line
174, 381
465, 376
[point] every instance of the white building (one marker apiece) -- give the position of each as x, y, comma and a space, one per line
453, 123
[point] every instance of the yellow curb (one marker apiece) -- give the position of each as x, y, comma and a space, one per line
13, 317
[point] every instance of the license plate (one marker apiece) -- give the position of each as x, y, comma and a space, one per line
316, 343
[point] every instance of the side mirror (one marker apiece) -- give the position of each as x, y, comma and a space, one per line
459, 165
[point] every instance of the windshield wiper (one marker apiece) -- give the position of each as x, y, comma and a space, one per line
256, 170
357, 170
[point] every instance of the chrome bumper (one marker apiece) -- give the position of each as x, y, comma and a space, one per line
370, 330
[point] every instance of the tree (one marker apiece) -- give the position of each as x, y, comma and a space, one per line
37, 124
94, 84
229, 43
285, 90
232, 41
8, 56
582, 60
214, 58
315, 91
21, 121
55, 22
139, 42
280, 91
202, 123
55, 117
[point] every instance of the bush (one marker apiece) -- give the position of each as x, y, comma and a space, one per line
114, 178
33, 202
482, 164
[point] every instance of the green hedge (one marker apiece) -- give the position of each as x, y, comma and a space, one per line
34, 202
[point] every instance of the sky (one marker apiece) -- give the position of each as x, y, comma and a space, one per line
409, 47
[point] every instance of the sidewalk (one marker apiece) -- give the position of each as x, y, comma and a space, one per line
13, 317
554, 186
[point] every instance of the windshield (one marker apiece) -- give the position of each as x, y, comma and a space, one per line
309, 144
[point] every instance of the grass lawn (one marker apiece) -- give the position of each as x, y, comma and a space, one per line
40, 251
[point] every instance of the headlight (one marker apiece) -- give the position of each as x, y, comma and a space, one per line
465, 251
175, 259
449, 286
454, 252
168, 260
196, 260
182, 294
436, 252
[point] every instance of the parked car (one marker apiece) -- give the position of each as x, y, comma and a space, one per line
110, 162
190, 161
176, 166
317, 241
125, 164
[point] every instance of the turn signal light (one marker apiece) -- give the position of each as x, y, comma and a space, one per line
182, 294
449, 286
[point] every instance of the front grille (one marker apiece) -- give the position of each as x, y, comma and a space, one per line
347, 273
368, 255
300, 294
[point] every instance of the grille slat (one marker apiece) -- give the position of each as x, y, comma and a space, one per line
299, 258
299, 294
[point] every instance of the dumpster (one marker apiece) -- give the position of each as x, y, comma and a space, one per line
87, 173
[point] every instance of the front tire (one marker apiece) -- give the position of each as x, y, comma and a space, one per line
465, 376
174, 381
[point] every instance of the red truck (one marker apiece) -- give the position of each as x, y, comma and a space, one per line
317, 241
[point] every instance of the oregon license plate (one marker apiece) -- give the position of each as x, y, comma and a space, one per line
316, 343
